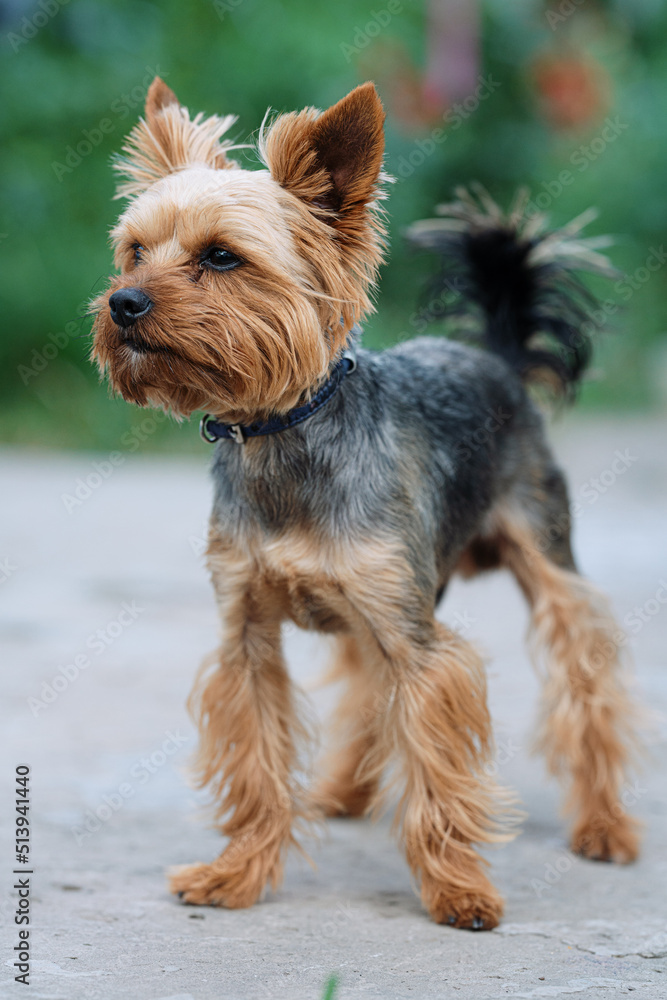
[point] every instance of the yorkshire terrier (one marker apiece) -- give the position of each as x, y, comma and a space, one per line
351, 485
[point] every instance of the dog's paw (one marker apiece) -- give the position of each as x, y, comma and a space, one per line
342, 801
616, 841
215, 885
475, 911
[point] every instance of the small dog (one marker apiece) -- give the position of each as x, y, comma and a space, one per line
350, 486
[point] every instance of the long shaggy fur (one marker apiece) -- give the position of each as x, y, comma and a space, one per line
244, 706
442, 731
587, 725
257, 340
351, 772
166, 139
521, 277
352, 522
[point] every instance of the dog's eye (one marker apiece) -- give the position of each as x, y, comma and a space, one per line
219, 259
137, 249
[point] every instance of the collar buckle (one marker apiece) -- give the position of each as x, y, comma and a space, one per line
350, 355
204, 432
212, 430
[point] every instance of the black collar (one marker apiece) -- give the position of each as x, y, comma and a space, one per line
213, 430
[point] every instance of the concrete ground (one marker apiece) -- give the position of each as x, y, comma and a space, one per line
113, 591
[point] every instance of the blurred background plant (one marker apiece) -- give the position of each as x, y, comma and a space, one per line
568, 97
330, 988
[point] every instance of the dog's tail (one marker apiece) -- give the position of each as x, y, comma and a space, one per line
521, 278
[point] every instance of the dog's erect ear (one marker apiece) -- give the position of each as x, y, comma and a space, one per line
159, 96
349, 141
166, 139
331, 160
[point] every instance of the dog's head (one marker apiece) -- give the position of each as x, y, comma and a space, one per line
237, 288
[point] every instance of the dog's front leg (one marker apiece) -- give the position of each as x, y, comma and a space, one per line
243, 706
434, 719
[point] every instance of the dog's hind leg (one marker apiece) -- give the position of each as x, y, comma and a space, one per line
244, 707
350, 781
587, 714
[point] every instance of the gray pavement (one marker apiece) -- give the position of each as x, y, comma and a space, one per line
112, 589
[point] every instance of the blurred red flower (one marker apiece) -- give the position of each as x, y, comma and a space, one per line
574, 90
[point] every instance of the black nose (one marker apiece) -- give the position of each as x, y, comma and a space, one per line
128, 305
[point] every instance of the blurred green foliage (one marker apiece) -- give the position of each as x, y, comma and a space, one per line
330, 988
70, 67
